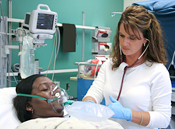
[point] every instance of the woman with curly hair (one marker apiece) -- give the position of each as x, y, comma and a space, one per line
134, 81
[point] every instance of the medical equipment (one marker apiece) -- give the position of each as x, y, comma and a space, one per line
101, 45
27, 63
41, 24
102, 34
89, 111
88, 70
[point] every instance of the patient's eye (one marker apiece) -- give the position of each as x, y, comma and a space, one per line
43, 87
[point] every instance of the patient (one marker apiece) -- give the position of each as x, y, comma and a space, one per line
31, 107
39, 105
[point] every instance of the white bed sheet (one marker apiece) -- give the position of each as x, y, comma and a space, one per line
68, 123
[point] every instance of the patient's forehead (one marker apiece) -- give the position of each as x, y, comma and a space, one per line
41, 80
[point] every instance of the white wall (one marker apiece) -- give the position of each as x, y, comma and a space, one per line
129, 2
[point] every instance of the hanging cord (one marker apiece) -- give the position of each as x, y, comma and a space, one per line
58, 34
51, 55
55, 56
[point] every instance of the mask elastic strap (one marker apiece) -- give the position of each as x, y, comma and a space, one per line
36, 96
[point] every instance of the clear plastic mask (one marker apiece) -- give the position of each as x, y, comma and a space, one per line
56, 98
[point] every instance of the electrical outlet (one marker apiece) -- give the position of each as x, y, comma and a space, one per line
67, 86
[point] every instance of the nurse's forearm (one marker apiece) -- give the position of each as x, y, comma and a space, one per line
141, 118
89, 98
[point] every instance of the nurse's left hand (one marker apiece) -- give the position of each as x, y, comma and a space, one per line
119, 110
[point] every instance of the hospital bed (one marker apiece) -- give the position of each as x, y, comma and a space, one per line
9, 120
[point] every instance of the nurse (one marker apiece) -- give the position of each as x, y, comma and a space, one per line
134, 81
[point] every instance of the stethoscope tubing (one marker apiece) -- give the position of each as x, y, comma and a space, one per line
121, 86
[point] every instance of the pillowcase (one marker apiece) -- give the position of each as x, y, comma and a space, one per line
8, 118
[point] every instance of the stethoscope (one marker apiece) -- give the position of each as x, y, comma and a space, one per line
125, 66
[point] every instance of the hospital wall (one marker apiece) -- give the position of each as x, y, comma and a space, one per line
129, 2
97, 13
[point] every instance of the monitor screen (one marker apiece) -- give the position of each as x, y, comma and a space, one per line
45, 21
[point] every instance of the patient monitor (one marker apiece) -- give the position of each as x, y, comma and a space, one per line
43, 21
40, 23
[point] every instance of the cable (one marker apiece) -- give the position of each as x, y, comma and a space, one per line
54, 58
58, 46
50, 57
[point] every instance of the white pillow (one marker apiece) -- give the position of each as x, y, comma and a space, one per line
8, 118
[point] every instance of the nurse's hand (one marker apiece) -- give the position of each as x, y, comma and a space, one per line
119, 110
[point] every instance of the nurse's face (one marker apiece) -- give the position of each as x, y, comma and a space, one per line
130, 45
42, 109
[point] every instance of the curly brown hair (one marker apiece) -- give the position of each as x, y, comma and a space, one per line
139, 19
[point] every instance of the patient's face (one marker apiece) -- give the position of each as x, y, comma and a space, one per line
41, 108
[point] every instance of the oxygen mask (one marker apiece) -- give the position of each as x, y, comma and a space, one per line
56, 95
56, 98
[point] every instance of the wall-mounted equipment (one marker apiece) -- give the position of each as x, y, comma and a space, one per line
40, 23
114, 13
102, 34
101, 42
